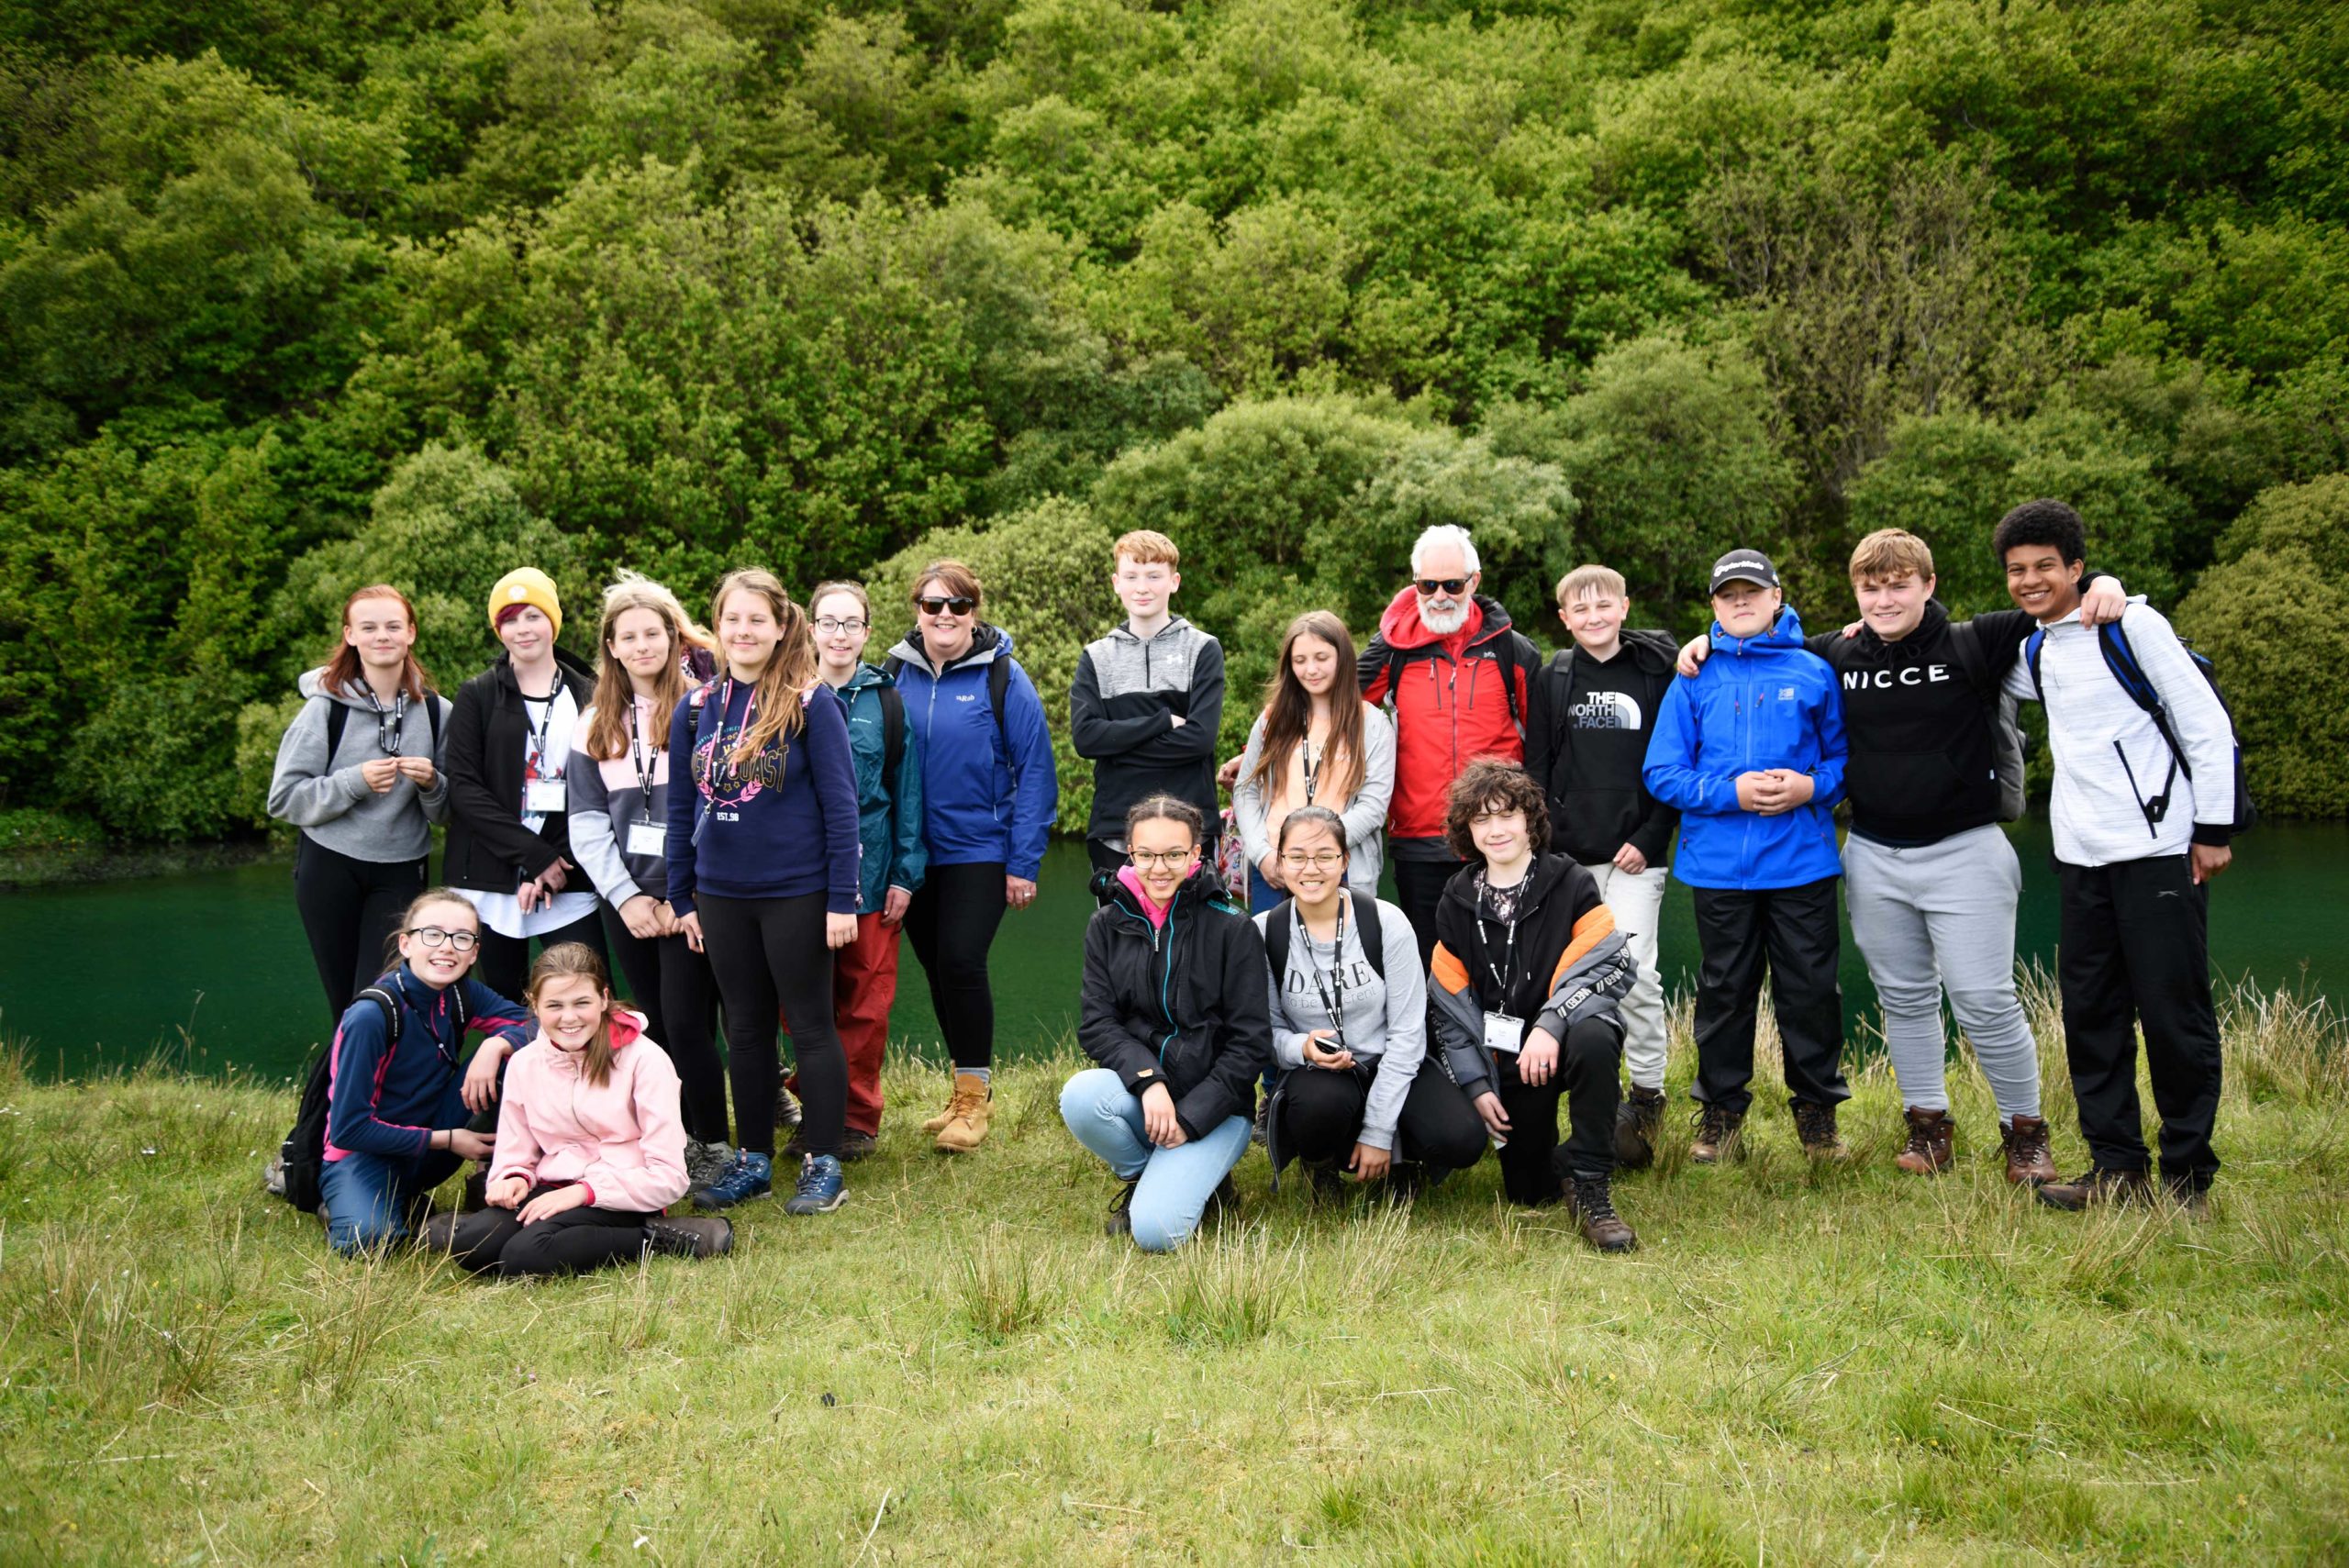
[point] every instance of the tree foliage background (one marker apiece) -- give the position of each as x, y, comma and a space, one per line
293, 298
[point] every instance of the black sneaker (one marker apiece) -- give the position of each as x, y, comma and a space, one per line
689, 1235
1121, 1211
2098, 1184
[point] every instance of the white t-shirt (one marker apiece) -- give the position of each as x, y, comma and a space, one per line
502, 912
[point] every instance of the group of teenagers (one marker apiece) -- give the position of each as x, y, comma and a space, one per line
1241, 976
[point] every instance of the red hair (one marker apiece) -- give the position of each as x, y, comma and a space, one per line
342, 665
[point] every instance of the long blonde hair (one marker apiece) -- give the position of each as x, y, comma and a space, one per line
790, 669
615, 692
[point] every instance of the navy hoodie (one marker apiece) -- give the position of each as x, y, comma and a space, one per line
782, 825
389, 1100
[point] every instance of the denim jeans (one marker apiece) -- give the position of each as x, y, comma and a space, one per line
1174, 1182
368, 1197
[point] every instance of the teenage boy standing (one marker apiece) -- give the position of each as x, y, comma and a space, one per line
1592, 710
1147, 701
1751, 752
2140, 830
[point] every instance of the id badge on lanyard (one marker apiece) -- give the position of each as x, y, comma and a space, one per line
545, 796
647, 838
644, 838
1503, 1034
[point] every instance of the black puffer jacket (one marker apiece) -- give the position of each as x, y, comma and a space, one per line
489, 849
1181, 1004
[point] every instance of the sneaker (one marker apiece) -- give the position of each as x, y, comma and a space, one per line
1636, 1121
1815, 1125
1931, 1145
2096, 1185
705, 1162
1601, 1226
1717, 1135
1121, 1211
2028, 1160
746, 1176
691, 1236
820, 1190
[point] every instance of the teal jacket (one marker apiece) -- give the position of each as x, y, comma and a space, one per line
888, 815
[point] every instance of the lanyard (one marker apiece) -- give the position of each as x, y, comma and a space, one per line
539, 736
637, 754
398, 717
1336, 1008
1314, 758
1508, 960
722, 765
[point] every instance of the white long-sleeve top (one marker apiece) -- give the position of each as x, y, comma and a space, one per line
2111, 757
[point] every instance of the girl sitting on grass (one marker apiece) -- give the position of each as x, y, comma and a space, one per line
1174, 1011
590, 1148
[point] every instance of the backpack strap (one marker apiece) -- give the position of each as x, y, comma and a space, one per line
338, 716
891, 665
1276, 939
2030, 647
2121, 660
893, 735
1971, 655
1373, 935
999, 696
432, 716
384, 1000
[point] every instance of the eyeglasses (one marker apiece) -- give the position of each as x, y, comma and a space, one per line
957, 606
1144, 859
831, 627
1324, 859
1448, 585
433, 935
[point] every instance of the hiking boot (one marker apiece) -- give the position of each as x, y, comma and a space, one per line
1815, 1125
787, 1109
1636, 1121
1260, 1132
705, 1163
820, 1189
440, 1234
746, 1176
1329, 1185
1929, 1151
967, 1114
855, 1146
2192, 1200
2028, 1159
1601, 1226
696, 1236
1121, 1211
1717, 1135
2098, 1184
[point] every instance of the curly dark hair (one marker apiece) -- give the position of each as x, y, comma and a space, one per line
2043, 521
1491, 785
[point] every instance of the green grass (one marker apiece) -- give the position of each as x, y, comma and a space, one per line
1799, 1366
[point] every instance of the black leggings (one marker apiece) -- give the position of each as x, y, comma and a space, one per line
768, 952
952, 923
350, 909
495, 1241
504, 965
1321, 1118
1534, 1166
672, 986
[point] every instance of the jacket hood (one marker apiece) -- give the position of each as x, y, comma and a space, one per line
1654, 651
987, 644
865, 676
1124, 633
1198, 890
1549, 871
1402, 628
1785, 632
313, 684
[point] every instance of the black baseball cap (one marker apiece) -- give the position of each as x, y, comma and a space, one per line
1743, 566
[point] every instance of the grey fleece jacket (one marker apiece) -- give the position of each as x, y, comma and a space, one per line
328, 797
1385, 1020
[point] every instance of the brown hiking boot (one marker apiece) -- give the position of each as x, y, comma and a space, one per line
2028, 1159
854, 1146
1815, 1125
1929, 1151
1636, 1121
2098, 1184
1716, 1140
965, 1127
2192, 1200
1601, 1226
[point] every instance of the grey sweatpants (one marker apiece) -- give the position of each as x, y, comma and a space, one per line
1636, 900
1943, 916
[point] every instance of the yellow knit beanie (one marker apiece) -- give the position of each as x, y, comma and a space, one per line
525, 585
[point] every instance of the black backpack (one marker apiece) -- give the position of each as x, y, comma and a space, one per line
893, 735
2130, 675
1374, 940
339, 716
302, 1157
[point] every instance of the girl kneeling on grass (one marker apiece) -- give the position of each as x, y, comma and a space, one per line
590, 1148
1173, 1010
397, 1102
1527, 973
1349, 1004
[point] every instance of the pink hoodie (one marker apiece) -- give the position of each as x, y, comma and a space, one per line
624, 1141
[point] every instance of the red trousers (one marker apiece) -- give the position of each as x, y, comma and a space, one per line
864, 984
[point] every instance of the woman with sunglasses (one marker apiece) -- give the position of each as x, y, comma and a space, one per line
989, 795
358, 772
1317, 743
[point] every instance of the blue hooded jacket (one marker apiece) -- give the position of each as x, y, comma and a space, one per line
981, 799
1758, 703
889, 811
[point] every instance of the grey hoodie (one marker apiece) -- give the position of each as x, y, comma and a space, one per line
328, 797
1385, 1021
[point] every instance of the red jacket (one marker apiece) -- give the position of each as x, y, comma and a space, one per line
1455, 699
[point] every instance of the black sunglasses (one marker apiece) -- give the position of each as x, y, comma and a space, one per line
1449, 585
957, 606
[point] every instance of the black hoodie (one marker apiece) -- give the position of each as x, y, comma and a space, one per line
1182, 1004
1586, 741
489, 849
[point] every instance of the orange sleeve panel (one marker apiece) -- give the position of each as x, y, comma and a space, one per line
1597, 923
1448, 970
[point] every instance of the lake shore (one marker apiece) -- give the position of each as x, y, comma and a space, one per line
1803, 1366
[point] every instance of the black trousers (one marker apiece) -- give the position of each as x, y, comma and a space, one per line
349, 910
504, 965
2132, 949
1418, 888
673, 987
1321, 1118
1106, 857
1534, 1166
769, 954
495, 1241
952, 923
1792, 931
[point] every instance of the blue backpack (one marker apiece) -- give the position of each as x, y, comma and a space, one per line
2121, 660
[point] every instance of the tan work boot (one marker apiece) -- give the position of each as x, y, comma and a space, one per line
965, 1124
1930, 1147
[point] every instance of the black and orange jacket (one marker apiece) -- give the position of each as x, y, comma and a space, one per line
1568, 963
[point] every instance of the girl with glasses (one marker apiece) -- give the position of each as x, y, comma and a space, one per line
1173, 1010
1317, 743
358, 772
1358, 1091
989, 794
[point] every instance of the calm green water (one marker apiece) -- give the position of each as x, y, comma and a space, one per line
211, 965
